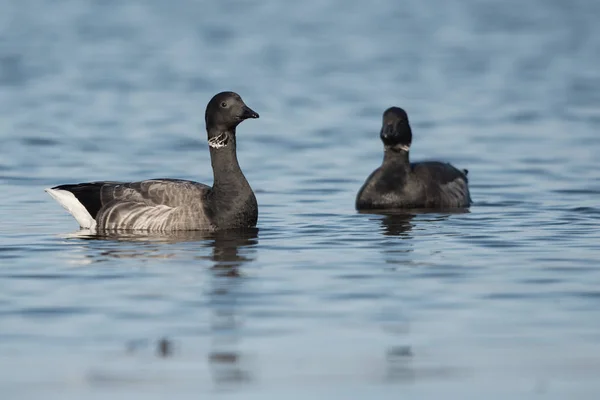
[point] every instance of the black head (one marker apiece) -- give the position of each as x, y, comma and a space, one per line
395, 130
225, 111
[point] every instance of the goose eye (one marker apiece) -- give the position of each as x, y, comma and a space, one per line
224, 104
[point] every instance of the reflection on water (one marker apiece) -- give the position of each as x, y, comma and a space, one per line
230, 251
227, 364
147, 245
400, 222
397, 225
399, 365
226, 256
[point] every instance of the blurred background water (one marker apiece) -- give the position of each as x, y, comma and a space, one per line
320, 301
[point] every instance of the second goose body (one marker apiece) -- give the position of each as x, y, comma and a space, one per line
400, 184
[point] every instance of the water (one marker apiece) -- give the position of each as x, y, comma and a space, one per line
320, 301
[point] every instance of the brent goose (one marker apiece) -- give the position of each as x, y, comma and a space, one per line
399, 184
163, 205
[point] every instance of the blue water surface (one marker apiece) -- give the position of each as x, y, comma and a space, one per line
320, 301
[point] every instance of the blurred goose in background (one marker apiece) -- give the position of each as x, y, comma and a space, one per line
400, 184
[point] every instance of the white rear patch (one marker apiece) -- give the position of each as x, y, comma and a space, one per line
73, 206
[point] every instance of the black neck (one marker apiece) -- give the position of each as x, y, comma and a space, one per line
228, 176
393, 155
232, 202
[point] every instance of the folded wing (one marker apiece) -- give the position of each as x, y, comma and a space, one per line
155, 204
447, 184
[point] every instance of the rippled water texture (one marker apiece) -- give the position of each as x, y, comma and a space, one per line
320, 301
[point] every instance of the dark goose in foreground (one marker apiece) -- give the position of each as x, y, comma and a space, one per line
400, 184
173, 204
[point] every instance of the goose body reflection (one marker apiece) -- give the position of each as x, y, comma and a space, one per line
399, 224
224, 252
226, 246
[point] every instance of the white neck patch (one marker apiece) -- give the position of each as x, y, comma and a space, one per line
219, 142
402, 147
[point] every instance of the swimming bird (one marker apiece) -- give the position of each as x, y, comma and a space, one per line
400, 184
163, 205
